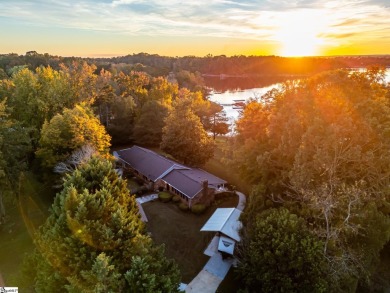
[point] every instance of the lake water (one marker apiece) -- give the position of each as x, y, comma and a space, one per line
227, 90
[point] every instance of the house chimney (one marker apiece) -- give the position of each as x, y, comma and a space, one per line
205, 185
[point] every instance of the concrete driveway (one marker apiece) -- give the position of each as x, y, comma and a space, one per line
212, 274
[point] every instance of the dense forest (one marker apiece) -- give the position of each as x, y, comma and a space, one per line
156, 65
315, 153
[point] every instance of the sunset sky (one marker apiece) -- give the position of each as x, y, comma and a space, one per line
199, 27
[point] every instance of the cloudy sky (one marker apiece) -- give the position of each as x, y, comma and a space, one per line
195, 27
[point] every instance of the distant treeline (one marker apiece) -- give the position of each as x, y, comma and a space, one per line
156, 65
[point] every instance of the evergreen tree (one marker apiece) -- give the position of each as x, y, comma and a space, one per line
15, 147
94, 237
149, 125
281, 255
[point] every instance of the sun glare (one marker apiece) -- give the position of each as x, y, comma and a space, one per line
298, 35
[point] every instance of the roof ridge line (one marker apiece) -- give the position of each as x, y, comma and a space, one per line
169, 170
191, 178
161, 156
230, 214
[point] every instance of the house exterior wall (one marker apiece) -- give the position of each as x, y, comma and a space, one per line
160, 183
205, 197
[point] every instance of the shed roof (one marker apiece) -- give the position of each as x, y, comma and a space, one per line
225, 220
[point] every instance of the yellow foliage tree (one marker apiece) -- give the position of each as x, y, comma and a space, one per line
71, 130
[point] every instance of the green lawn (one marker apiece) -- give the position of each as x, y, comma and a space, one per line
23, 218
180, 232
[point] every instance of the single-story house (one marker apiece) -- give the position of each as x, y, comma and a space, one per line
225, 221
191, 184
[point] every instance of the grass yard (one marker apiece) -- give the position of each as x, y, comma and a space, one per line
23, 218
180, 232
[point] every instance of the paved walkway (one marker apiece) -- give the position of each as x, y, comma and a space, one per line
146, 198
212, 248
241, 201
140, 201
216, 269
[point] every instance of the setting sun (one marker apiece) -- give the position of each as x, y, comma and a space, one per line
298, 44
297, 34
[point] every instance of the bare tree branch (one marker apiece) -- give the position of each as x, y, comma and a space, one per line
78, 157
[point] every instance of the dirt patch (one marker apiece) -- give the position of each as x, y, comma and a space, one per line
180, 232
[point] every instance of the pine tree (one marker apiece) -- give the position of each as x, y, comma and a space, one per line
94, 234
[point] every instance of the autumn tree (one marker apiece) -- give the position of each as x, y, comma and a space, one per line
105, 97
135, 85
211, 115
69, 131
318, 147
190, 80
95, 241
185, 138
196, 101
36, 97
162, 91
81, 81
3, 74
217, 122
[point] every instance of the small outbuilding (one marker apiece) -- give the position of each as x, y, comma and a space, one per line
225, 221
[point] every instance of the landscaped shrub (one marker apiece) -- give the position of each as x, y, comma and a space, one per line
224, 194
139, 191
183, 206
138, 180
164, 196
198, 208
176, 198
